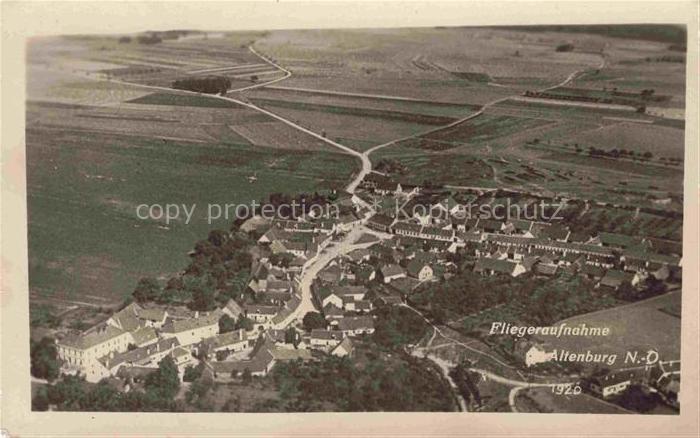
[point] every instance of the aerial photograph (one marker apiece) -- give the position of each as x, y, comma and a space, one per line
428, 219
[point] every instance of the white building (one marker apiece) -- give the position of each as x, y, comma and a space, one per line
83, 351
193, 330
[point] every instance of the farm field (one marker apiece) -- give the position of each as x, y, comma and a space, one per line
86, 175
659, 140
641, 326
430, 108
484, 128
438, 167
433, 64
357, 131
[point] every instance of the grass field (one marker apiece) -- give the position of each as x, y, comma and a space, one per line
85, 241
641, 326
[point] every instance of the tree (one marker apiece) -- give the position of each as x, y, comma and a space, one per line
44, 359
203, 297
40, 401
147, 289
164, 382
68, 394
218, 237
192, 373
244, 323
313, 320
247, 376
637, 398
226, 324
282, 259
290, 336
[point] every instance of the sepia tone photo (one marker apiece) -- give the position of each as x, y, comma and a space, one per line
448, 218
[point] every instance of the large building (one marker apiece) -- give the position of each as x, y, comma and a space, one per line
83, 351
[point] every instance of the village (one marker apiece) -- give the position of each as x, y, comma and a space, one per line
313, 283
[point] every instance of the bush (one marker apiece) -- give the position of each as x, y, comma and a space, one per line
209, 84
314, 320
44, 359
566, 47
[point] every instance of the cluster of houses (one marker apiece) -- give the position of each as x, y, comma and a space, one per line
136, 338
662, 377
516, 246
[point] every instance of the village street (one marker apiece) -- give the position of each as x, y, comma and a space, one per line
316, 264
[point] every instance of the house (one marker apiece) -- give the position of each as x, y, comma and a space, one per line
321, 338
392, 272
359, 255
490, 266
275, 233
419, 269
144, 336
344, 349
148, 356
346, 221
260, 313
615, 240
555, 232
490, 225
381, 222
181, 357
614, 278
355, 293
547, 270
133, 317
407, 229
356, 325
193, 330
612, 383
364, 274
331, 274
536, 355
332, 312
234, 341
325, 296
363, 306
153, 317
520, 227
592, 272
84, 350
233, 309
259, 365
435, 233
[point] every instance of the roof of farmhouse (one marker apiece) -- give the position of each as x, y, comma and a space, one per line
182, 325
90, 339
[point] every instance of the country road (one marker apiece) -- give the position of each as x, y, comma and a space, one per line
481, 111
